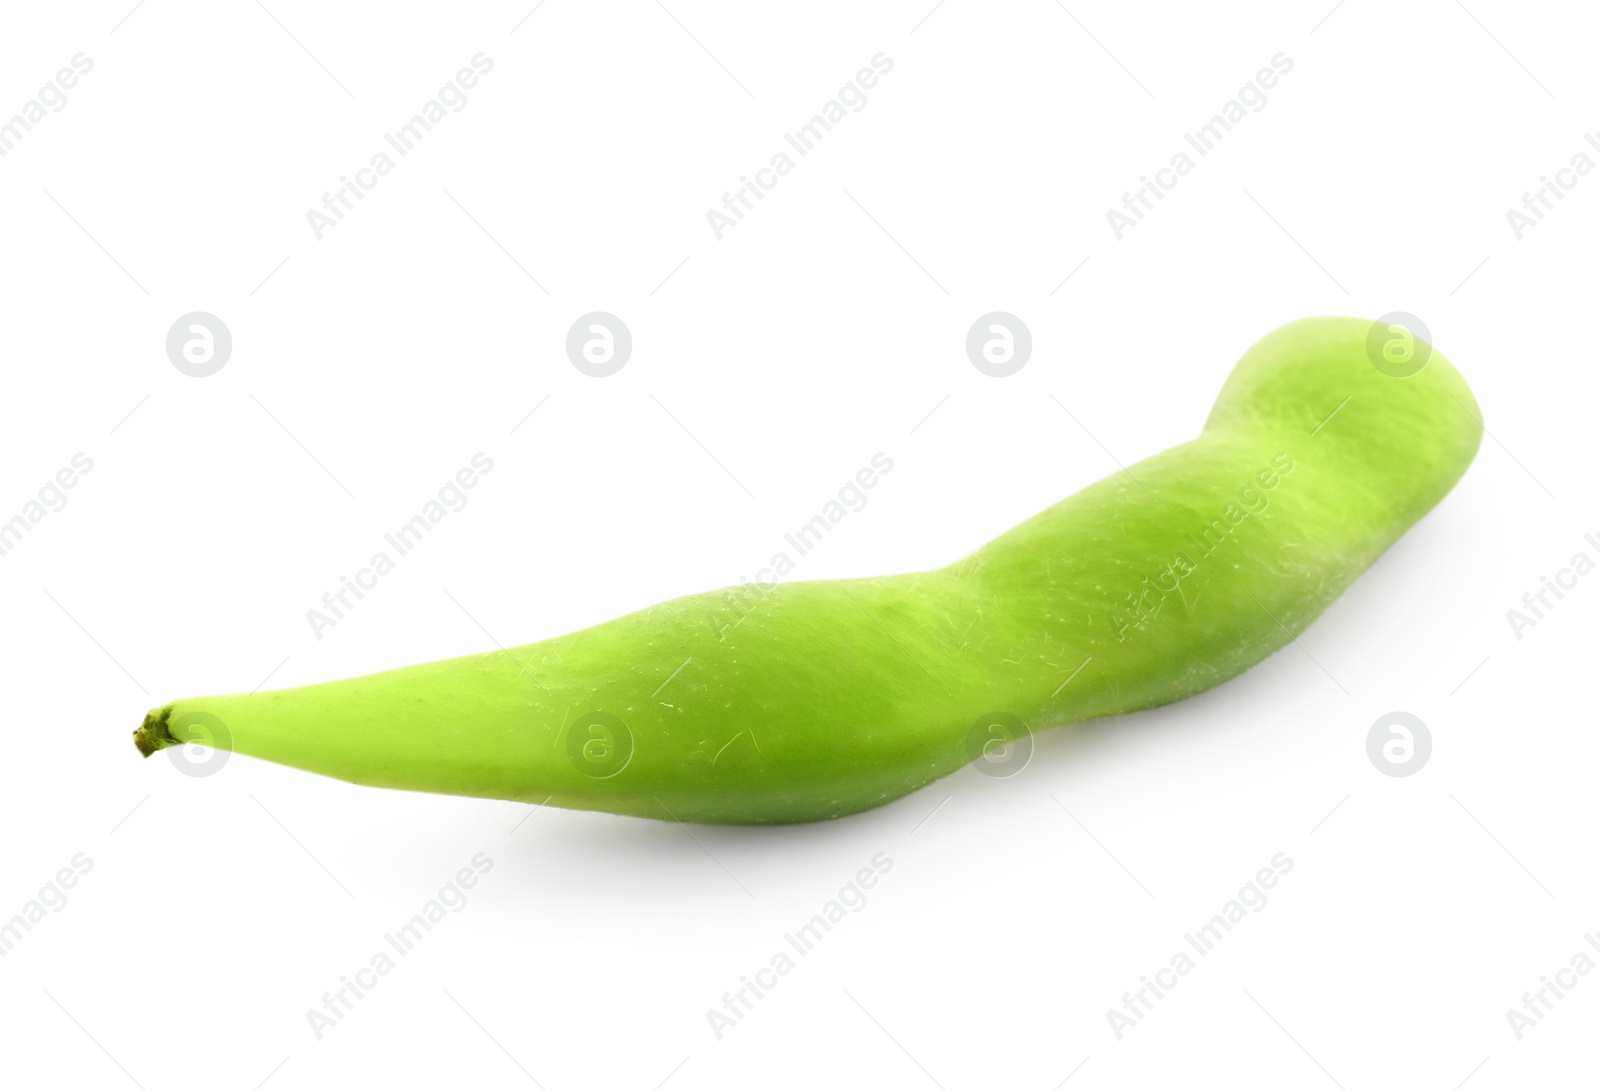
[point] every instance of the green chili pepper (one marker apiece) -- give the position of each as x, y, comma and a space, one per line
832, 697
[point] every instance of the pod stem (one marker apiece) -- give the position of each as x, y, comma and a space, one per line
153, 735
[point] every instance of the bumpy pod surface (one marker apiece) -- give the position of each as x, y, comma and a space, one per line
832, 697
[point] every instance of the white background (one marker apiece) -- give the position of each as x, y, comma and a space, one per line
768, 367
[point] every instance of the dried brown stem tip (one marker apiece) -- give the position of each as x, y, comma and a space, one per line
153, 734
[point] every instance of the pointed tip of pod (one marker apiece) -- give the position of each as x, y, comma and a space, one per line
153, 735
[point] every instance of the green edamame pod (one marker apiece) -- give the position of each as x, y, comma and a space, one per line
831, 697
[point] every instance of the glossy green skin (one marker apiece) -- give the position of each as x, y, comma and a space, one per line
833, 697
